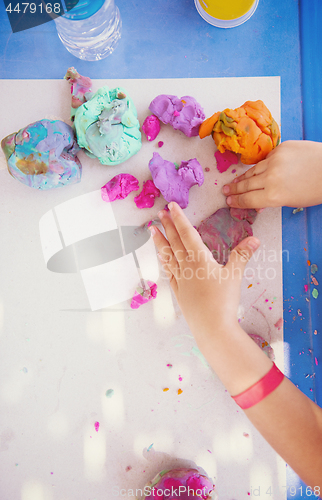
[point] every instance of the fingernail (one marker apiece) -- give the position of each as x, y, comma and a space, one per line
260, 210
160, 214
170, 206
253, 243
226, 189
235, 180
153, 230
228, 200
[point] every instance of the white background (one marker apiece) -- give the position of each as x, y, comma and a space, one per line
58, 358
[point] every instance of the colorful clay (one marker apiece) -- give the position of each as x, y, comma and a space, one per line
185, 484
223, 230
151, 127
43, 155
249, 130
107, 126
183, 114
174, 183
145, 292
81, 86
224, 160
147, 196
119, 187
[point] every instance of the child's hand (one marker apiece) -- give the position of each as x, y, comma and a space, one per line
291, 176
208, 293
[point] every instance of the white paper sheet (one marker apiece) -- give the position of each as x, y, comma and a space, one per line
58, 358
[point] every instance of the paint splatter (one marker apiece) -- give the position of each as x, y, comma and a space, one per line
165, 389
180, 378
169, 365
315, 332
249, 286
97, 426
299, 312
308, 262
207, 169
316, 361
233, 171
128, 468
180, 391
296, 210
149, 448
315, 293
306, 287
160, 144
109, 393
314, 268
245, 434
314, 280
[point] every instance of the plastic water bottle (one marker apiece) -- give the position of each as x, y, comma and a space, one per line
91, 30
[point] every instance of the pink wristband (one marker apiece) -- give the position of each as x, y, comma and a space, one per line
261, 389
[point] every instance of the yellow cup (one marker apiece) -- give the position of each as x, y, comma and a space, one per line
226, 13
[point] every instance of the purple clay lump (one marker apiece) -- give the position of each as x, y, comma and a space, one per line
183, 114
174, 183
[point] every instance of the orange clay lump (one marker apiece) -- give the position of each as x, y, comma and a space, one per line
249, 130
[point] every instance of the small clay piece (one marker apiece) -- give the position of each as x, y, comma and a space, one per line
119, 187
146, 291
151, 127
81, 87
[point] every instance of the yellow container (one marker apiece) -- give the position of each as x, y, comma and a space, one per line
226, 13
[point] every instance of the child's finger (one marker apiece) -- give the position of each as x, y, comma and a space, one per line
239, 257
257, 169
189, 236
244, 186
173, 236
255, 199
165, 253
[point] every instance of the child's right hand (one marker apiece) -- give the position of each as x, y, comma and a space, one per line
290, 176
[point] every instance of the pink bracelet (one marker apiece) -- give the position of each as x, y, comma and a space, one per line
260, 389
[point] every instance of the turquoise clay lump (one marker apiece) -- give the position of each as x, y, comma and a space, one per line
106, 124
43, 155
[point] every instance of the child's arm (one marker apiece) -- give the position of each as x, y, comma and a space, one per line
290, 176
208, 295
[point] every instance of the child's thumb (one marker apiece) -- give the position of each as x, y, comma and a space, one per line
242, 254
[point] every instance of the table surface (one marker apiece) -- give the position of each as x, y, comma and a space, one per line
163, 39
